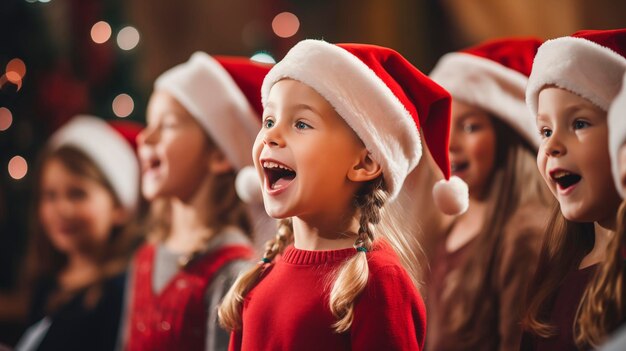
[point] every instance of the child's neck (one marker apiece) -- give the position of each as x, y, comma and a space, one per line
468, 225
603, 235
317, 235
188, 228
80, 270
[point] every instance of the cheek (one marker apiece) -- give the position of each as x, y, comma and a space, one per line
482, 150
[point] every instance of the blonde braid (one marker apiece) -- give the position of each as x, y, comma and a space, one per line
230, 309
353, 274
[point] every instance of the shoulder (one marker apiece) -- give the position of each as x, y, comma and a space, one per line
386, 273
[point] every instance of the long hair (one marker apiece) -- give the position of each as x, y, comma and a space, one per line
515, 182
350, 278
565, 244
44, 260
602, 308
224, 207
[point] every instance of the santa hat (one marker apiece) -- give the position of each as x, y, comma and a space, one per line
386, 101
493, 76
588, 63
617, 133
111, 146
223, 94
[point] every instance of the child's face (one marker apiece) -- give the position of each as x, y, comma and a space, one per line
173, 150
472, 146
304, 153
573, 157
76, 212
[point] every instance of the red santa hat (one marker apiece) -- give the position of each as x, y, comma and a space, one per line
493, 76
386, 101
223, 94
588, 63
617, 133
111, 146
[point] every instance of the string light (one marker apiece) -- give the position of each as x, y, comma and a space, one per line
123, 105
128, 38
285, 24
18, 167
6, 119
100, 32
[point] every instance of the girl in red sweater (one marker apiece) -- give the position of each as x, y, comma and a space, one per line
340, 133
201, 125
573, 81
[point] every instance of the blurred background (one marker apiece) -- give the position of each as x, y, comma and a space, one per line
59, 58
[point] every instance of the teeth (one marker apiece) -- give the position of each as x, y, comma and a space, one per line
269, 164
560, 174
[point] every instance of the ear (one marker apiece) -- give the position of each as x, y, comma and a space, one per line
218, 164
365, 168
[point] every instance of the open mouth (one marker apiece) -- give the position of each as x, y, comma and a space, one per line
457, 167
278, 175
151, 164
565, 179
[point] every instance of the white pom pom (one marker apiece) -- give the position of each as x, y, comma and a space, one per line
452, 196
248, 185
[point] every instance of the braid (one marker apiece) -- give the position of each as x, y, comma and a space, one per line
353, 274
230, 309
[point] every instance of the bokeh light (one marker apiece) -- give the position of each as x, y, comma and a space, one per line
123, 105
263, 57
6, 119
100, 32
18, 167
128, 38
15, 71
285, 24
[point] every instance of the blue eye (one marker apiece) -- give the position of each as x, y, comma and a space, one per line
545, 132
578, 124
268, 123
302, 125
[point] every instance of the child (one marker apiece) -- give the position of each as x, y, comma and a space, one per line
87, 192
340, 134
572, 83
481, 266
201, 126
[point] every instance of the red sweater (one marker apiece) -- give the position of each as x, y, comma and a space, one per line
288, 309
176, 317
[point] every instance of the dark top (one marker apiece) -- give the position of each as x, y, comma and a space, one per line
73, 325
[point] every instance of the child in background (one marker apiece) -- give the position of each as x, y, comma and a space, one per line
482, 264
573, 81
202, 118
87, 193
341, 130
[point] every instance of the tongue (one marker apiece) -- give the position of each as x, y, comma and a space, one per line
282, 182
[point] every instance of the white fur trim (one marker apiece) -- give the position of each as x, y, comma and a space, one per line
617, 134
111, 153
211, 95
248, 186
452, 196
489, 85
363, 100
578, 65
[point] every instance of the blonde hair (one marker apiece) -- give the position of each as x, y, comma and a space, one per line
602, 308
350, 278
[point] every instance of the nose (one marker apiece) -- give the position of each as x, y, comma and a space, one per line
272, 137
147, 135
554, 147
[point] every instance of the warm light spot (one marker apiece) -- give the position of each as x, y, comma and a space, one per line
263, 57
18, 167
100, 32
16, 70
6, 119
285, 24
123, 105
44, 1
128, 38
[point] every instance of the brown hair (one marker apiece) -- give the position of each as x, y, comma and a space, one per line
225, 207
565, 244
515, 181
350, 278
602, 307
43, 260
